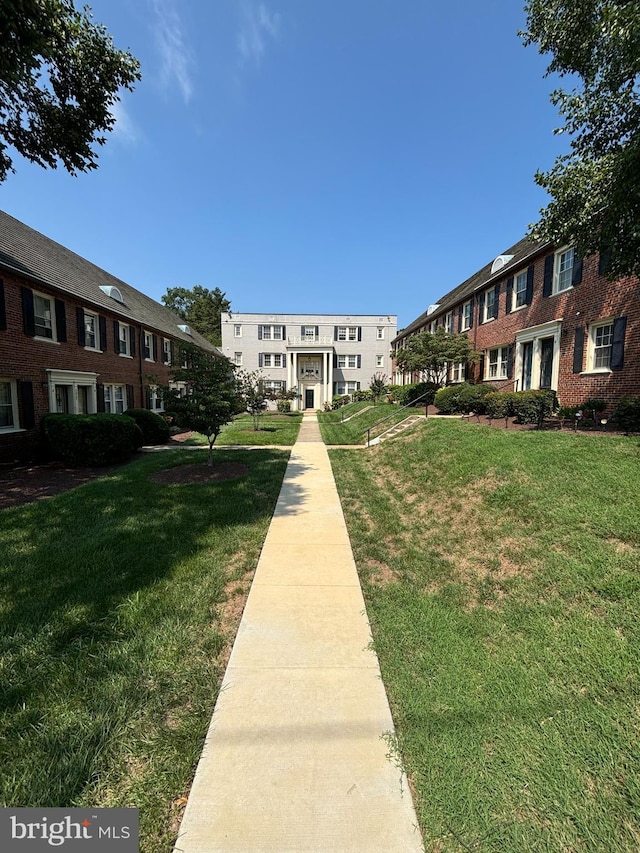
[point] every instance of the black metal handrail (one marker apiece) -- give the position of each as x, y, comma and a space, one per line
393, 414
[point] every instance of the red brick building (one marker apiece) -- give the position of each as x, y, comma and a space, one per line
544, 318
74, 338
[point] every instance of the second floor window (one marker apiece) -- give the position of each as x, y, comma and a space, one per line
563, 272
347, 333
44, 316
90, 331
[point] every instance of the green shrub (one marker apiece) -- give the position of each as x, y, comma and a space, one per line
462, 398
447, 398
567, 413
91, 440
419, 389
284, 406
533, 407
361, 394
626, 415
527, 407
155, 429
471, 398
401, 393
340, 400
497, 404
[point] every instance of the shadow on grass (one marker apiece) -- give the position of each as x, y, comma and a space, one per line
92, 581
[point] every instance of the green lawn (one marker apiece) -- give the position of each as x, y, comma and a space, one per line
501, 572
275, 429
349, 411
355, 430
113, 633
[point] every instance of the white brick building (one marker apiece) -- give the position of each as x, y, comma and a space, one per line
319, 354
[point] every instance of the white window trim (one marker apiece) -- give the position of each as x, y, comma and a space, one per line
146, 332
345, 385
153, 391
457, 367
379, 361
127, 353
274, 357
96, 328
237, 330
237, 359
73, 378
166, 350
514, 292
535, 334
591, 348
503, 360
380, 333
485, 306
15, 411
345, 359
466, 322
556, 270
54, 327
449, 323
112, 386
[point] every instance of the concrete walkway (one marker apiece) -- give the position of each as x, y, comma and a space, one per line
296, 758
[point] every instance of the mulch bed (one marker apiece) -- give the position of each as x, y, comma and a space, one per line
23, 485
200, 473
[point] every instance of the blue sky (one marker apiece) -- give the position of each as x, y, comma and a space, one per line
326, 156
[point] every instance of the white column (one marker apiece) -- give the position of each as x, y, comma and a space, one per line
330, 377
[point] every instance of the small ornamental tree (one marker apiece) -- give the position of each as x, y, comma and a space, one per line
254, 394
430, 354
378, 387
207, 397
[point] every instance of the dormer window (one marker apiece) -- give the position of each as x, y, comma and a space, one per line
184, 328
112, 292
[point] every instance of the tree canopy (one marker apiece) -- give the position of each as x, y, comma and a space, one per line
595, 188
430, 354
200, 308
60, 75
209, 397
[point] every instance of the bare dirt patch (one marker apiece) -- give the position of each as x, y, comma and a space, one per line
200, 473
22, 485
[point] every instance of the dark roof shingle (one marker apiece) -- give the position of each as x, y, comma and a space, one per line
25, 251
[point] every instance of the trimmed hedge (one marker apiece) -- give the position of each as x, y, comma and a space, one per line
626, 415
462, 398
404, 395
91, 440
527, 407
155, 430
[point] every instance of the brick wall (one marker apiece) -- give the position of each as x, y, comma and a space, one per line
590, 300
26, 359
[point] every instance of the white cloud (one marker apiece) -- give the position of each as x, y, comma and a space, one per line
124, 128
175, 55
258, 26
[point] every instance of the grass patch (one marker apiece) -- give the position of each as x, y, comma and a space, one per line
501, 572
350, 410
281, 430
355, 431
114, 629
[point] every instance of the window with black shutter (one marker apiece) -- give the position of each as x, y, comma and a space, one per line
617, 347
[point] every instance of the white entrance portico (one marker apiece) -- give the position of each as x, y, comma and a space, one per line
310, 369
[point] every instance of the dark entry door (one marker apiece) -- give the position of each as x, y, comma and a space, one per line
527, 364
308, 398
546, 362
